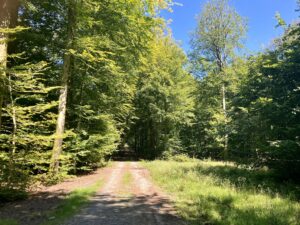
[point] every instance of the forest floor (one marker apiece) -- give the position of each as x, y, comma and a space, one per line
126, 197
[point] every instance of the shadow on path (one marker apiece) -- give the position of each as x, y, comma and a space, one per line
137, 210
33, 211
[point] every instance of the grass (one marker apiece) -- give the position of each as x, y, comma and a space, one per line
126, 190
8, 222
224, 194
71, 205
127, 179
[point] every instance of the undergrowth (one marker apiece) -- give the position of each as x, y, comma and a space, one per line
224, 194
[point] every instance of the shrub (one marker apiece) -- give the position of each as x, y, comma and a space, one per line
180, 158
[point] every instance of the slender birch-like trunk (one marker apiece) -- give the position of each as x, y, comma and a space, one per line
4, 24
225, 114
62, 108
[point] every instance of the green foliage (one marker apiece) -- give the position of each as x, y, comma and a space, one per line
129, 85
110, 40
219, 193
219, 32
163, 101
261, 120
269, 100
178, 158
26, 119
98, 140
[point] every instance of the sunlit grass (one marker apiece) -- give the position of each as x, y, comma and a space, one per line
71, 205
215, 193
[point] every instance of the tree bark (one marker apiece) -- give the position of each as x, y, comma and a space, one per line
5, 20
62, 108
221, 64
225, 114
14, 117
8, 19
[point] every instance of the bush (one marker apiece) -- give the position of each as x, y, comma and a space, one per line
14, 180
180, 158
284, 158
90, 149
9, 195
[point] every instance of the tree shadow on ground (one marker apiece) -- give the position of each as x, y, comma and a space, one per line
33, 210
102, 209
116, 210
251, 180
213, 211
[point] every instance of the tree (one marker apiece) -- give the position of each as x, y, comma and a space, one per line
66, 73
218, 34
107, 43
8, 21
163, 103
26, 113
266, 108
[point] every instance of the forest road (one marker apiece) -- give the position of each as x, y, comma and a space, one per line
127, 198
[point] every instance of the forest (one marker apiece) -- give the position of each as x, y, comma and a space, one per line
81, 81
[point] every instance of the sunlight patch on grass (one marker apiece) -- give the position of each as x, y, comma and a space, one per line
72, 204
215, 193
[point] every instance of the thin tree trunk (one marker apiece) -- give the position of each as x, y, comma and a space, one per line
80, 104
14, 131
13, 115
225, 114
60, 126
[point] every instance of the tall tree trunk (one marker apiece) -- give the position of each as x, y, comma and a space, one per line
225, 114
222, 64
8, 19
4, 23
62, 108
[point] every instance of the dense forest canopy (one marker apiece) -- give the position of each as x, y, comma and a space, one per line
81, 80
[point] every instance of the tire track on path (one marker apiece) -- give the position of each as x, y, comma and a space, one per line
147, 205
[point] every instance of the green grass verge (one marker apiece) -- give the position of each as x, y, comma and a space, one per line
71, 205
8, 222
224, 194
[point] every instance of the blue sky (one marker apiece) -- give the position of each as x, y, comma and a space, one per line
260, 15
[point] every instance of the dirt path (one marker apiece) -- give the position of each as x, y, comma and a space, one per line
127, 198
35, 209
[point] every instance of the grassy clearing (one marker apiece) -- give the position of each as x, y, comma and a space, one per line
71, 205
215, 193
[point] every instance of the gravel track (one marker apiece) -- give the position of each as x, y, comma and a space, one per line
144, 204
